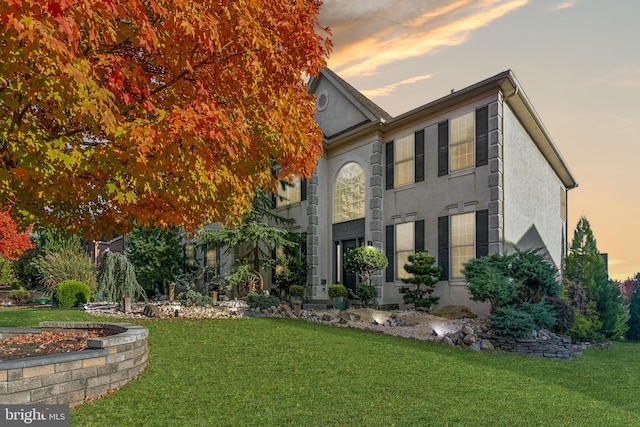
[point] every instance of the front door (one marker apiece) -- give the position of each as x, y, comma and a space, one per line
350, 279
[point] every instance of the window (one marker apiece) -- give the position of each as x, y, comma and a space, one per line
190, 254
462, 242
404, 160
402, 240
349, 193
563, 203
404, 247
461, 142
289, 192
457, 140
404, 169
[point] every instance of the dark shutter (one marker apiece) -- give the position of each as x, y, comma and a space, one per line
443, 246
482, 136
419, 236
419, 153
389, 164
389, 252
274, 203
482, 233
443, 148
303, 189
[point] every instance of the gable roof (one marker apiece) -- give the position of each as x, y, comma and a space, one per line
372, 107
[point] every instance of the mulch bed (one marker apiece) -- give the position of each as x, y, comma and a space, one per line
46, 343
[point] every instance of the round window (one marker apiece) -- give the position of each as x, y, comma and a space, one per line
322, 100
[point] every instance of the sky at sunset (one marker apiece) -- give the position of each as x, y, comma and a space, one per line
578, 62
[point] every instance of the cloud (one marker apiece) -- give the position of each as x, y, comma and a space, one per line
384, 91
564, 5
370, 34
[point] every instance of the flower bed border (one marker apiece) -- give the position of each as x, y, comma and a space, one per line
107, 364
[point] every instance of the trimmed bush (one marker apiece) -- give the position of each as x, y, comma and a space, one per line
71, 293
296, 291
366, 293
255, 300
336, 291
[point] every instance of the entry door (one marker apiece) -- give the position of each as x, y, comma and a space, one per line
350, 279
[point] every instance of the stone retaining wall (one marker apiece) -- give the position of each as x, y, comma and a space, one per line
554, 347
74, 378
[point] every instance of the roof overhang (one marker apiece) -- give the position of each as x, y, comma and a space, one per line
513, 95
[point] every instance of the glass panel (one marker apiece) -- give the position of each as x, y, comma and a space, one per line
462, 241
404, 169
290, 193
461, 142
404, 247
349, 193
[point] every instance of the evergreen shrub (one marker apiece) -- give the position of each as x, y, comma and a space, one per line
71, 293
192, 297
255, 300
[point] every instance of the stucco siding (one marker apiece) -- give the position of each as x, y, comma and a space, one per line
532, 216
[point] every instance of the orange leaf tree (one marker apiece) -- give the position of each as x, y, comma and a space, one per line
166, 112
13, 243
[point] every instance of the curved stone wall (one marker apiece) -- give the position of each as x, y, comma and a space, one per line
107, 364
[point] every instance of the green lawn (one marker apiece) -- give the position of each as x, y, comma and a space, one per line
275, 372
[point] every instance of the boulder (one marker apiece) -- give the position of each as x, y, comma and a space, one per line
151, 311
454, 312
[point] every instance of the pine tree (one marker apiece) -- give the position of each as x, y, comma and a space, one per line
426, 274
586, 275
156, 255
634, 312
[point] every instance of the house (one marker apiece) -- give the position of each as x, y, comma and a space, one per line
470, 174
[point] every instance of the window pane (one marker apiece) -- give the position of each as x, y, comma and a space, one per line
462, 241
404, 169
404, 247
290, 193
461, 142
349, 193
403, 258
404, 236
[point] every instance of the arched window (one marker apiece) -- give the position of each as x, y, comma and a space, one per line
349, 193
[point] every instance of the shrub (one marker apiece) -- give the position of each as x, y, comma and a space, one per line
512, 322
586, 329
67, 264
565, 314
19, 295
296, 290
255, 300
191, 297
366, 293
70, 293
336, 291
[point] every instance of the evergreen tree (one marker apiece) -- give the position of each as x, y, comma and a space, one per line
156, 255
586, 276
633, 333
257, 238
426, 274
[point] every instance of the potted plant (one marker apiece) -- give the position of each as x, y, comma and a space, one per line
296, 292
338, 294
